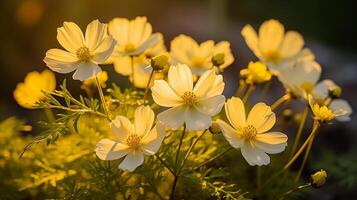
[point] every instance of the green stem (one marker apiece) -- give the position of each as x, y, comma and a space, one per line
102, 97
294, 190
307, 152
49, 114
248, 93
265, 90
190, 149
281, 100
147, 85
299, 132
164, 163
259, 177
241, 88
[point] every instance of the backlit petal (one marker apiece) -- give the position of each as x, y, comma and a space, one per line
132, 161
253, 155
261, 117
180, 79
173, 118
163, 94
70, 37
110, 150
86, 70
230, 134
143, 120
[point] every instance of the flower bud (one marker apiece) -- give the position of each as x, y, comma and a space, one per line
319, 178
215, 129
288, 114
335, 92
218, 59
159, 62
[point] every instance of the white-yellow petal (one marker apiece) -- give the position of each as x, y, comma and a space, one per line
122, 65
70, 37
152, 141
342, 109
86, 70
195, 120
164, 95
143, 120
291, 45
261, 117
209, 84
132, 161
251, 38
61, 61
180, 79
230, 134
253, 155
271, 34
122, 127
110, 150
96, 32
173, 118
211, 105
104, 50
235, 112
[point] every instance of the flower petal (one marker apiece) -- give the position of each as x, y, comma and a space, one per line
119, 29
235, 112
122, 65
251, 38
152, 141
174, 117
230, 134
110, 150
291, 45
261, 117
96, 32
149, 43
182, 49
61, 61
132, 161
143, 120
254, 156
86, 70
195, 120
163, 94
321, 91
180, 79
211, 106
272, 138
342, 109
122, 127
271, 34
209, 84
70, 37
104, 50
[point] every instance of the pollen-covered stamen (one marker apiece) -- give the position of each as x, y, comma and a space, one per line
189, 98
133, 141
249, 132
130, 47
83, 54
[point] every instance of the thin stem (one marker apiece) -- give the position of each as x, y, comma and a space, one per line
190, 149
173, 188
265, 90
78, 110
311, 136
248, 93
132, 70
147, 85
281, 100
299, 132
307, 152
49, 114
294, 190
102, 97
165, 164
241, 88
210, 160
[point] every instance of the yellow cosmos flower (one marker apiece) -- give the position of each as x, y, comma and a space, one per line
250, 134
301, 78
83, 53
136, 67
133, 36
198, 57
256, 72
132, 140
192, 105
274, 47
30, 91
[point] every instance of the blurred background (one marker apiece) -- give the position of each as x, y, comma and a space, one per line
28, 30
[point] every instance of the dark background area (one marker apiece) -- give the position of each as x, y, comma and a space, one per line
28, 30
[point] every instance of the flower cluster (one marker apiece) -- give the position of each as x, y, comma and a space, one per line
186, 86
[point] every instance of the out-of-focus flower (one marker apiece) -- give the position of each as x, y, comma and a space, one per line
250, 134
102, 78
256, 73
83, 53
124, 65
133, 140
31, 90
274, 47
133, 36
301, 78
198, 57
326, 94
193, 106
29, 12
160, 62
319, 178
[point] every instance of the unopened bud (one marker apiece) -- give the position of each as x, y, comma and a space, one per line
319, 178
215, 129
218, 59
288, 114
335, 92
158, 63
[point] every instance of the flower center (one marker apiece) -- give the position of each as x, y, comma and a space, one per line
130, 47
133, 141
249, 132
83, 54
273, 57
189, 98
323, 113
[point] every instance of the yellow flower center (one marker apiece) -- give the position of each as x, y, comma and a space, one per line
133, 141
249, 132
197, 62
189, 98
307, 86
322, 113
130, 47
83, 54
273, 56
